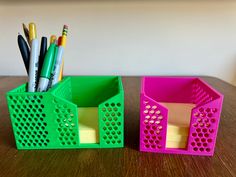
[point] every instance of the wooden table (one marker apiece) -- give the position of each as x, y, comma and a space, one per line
126, 161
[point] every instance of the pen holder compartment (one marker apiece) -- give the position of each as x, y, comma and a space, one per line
179, 115
53, 119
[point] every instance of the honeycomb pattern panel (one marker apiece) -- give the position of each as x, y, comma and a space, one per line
112, 124
153, 126
203, 130
200, 94
21, 88
64, 90
67, 126
28, 120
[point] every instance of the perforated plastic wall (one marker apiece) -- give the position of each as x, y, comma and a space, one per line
112, 123
28, 121
49, 120
153, 121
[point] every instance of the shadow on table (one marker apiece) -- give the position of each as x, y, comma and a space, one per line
6, 133
131, 118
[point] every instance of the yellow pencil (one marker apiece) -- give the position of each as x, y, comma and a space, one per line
63, 43
61, 70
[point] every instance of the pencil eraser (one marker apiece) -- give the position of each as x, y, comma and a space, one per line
65, 27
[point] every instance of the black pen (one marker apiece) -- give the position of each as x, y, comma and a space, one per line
24, 50
43, 51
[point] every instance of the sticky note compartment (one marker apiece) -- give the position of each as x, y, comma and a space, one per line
178, 124
88, 125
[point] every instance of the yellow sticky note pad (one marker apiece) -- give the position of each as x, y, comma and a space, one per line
179, 115
176, 130
88, 124
172, 144
176, 138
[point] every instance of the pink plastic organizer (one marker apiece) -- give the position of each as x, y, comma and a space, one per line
203, 117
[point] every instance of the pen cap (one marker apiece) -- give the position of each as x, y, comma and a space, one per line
48, 62
59, 41
53, 39
32, 31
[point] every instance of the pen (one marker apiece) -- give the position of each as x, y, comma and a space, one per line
46, 69
43, 50
34, 58
26, 32
24, 50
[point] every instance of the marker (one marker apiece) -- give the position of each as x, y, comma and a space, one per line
63, 43
34, 58
24, 50
33, 65
26, 32
46, 69
53, 39
43, 50
53, 67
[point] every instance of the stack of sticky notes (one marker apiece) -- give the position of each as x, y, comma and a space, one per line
179, 115
88, 124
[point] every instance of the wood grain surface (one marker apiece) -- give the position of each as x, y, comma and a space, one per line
126, 161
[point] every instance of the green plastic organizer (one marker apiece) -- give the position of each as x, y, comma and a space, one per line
49, 120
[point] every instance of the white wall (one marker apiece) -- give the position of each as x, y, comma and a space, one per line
129, 38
